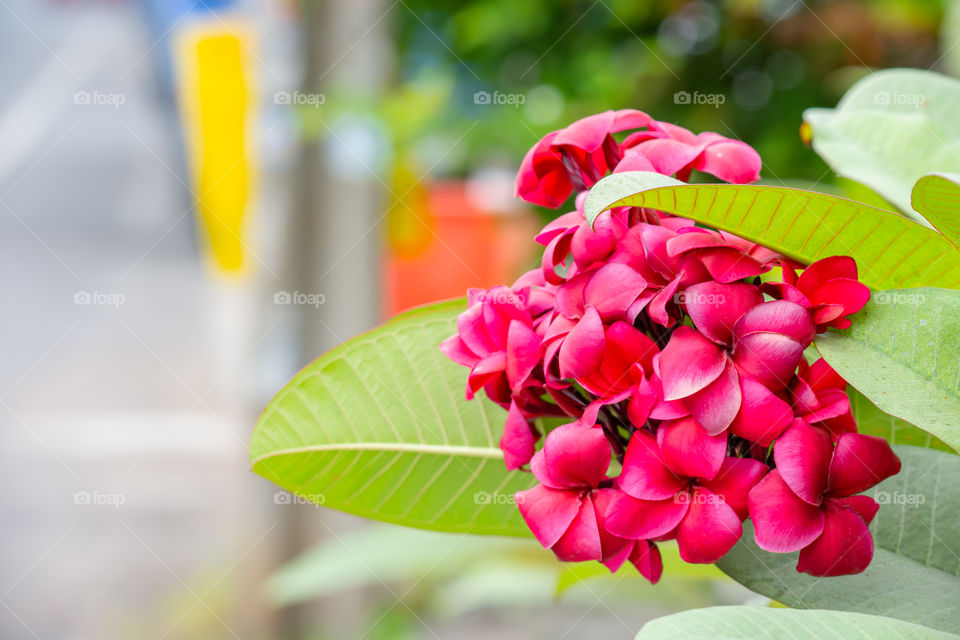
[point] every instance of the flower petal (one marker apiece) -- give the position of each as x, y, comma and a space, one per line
646, 558
581, 541
777, 316
644, 474
582, 349
709, 529
731, 161
524, 350
715, 308
548, 512
769, 358
635, 519
716, 405
737, 476
612, 289
572, 456
802, 455
818, 273
689, 363
517, 441
688, 450
860, 462
763, 416
845, 547
782, 521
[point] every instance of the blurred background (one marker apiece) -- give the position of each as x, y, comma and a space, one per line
198, 197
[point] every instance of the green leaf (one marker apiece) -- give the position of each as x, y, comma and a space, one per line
890, 129
891, 251
379, 427
915, 573
872, 421
747, 623
903, 353
937, 197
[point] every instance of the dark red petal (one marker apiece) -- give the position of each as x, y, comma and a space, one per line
731, 161
587, 133
524, 351
689, 363
485, 371
730, 265
777, 316
782, 521
644, 474
716, 405
845, 547
802, 455
573, 456
737, 476
548, 512
612, 289
850, 294
581, 541
715, 308
763, 416
865, 506
820, 375
646, 558
582, 349
517, 442
709, 529
688, 450
860, 462
769, 358
814, 276
628, 517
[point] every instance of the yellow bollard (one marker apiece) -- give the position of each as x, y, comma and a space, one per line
213, 73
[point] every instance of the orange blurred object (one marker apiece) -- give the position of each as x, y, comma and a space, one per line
460, 246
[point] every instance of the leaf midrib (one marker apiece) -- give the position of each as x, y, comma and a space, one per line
399, 447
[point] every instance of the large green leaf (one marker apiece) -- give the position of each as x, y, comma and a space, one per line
747, 623
891, 128
915, 573
937, 197
872, 421
890, 250
903, 353
379, 427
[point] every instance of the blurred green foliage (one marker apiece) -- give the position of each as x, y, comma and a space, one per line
764, 61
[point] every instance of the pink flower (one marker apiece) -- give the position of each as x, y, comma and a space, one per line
764, 343
563, 512
574, 157
681, 484
496, 340
809, 502
725, 257
829, 288
819, 396
669, 149
655, 337
623, 375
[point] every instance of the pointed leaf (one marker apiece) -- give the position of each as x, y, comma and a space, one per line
379, 427
891, 251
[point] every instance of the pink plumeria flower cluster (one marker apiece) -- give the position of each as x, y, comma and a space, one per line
682, 371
